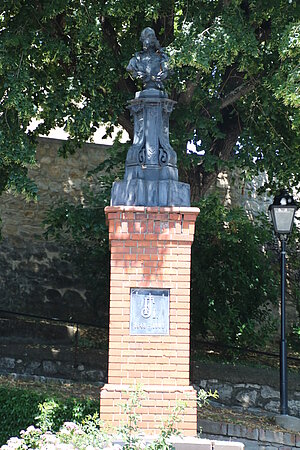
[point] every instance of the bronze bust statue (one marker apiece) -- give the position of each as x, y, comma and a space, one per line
151, 174
151, 64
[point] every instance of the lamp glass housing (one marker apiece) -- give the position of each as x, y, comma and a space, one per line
283, 218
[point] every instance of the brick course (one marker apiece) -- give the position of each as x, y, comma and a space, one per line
150, 248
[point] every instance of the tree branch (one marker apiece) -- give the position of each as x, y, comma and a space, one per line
125, 122
197, 176
237, 93
165, 22
110, 35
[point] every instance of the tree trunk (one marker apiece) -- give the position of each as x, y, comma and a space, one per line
197, 176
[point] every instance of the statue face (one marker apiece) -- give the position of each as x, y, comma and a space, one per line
148, 39
149, 43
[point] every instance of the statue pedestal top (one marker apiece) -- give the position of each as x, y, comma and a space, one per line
151, 93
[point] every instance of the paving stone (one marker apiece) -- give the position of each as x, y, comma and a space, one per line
266, 447
190, 443
289, 439
297, 440
272, 406
7, 363
289, 423
225, 392
294, 407
49, 367
32, 366
247, 398
285, 448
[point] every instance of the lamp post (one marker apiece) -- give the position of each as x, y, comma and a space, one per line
282, 213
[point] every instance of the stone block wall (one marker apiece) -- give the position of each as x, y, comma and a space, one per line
34, 277
252, 438
247, 388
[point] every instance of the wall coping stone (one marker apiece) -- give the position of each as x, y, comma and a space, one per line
260, 435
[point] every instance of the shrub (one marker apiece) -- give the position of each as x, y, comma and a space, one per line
233, 281
20, 408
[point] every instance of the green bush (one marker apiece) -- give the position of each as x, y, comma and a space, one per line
20, 408
234, 281
93, 434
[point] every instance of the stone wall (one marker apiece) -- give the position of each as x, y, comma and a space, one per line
246, 387
34, 277
242, 388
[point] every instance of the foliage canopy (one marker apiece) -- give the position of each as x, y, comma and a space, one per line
235, 78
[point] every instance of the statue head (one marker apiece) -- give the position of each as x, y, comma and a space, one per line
148, 38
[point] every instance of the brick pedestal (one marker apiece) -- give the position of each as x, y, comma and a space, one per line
150, 248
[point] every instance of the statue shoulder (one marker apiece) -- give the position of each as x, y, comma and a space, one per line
132, 66
163, 54
138, 55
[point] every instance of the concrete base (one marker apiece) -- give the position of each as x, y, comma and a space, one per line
193, 443
289, 423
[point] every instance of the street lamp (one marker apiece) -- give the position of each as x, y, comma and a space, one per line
282, 213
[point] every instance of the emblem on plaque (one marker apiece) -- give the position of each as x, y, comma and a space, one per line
149, 311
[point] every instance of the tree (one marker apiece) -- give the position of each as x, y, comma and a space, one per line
235, 78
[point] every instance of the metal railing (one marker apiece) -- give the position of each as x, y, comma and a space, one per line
242, 350
196, 343
40, 319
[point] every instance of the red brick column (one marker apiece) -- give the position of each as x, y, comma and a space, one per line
150, 248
